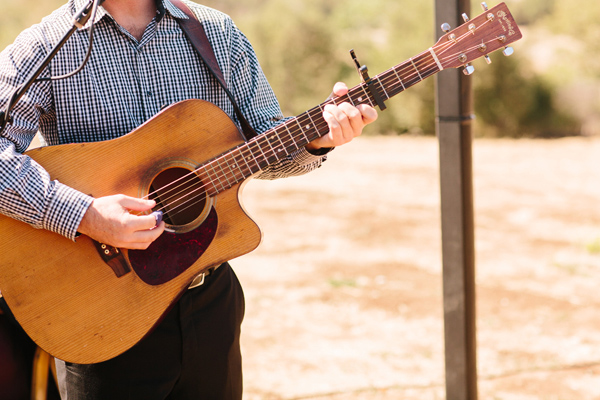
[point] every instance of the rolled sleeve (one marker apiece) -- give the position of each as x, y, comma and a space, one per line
65, 210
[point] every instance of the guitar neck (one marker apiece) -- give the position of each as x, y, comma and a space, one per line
277, 143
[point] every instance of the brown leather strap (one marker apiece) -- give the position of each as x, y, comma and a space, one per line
195, 33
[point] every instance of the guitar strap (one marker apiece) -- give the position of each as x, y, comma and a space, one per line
195, 33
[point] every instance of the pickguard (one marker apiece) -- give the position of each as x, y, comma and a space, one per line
173, 253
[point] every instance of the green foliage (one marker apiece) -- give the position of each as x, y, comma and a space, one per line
303, 48
512, 102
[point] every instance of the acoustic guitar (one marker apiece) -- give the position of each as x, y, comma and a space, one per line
86, 302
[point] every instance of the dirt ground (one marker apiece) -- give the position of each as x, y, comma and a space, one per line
344, 295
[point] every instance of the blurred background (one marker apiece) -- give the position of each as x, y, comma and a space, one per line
303, 47
347, 304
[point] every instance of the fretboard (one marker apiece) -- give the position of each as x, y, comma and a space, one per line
277, 143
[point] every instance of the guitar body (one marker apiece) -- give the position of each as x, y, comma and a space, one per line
65, 296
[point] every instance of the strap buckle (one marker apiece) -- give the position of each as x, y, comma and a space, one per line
197, 281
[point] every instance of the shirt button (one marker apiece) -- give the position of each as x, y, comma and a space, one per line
149, 93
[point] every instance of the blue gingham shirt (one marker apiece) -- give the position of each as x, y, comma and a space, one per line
125, 82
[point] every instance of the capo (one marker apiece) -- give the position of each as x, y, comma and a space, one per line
363, 72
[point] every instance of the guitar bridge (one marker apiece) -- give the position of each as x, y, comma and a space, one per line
114, 258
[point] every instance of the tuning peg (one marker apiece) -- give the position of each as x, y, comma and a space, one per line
465, 17
446, 27
484, 6
487, 59
469, 69
508, 51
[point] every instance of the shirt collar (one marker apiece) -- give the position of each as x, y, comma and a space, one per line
174, 11
101, 12
77, 5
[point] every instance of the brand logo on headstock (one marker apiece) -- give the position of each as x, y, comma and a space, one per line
508, 28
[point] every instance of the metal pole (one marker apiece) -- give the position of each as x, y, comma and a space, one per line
454, 109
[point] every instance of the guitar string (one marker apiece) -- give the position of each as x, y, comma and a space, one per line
196, 200
295, 120
279, 138
234, 176
359, 88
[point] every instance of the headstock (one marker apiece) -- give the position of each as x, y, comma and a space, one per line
493, 30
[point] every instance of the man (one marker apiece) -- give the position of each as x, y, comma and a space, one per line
141, 62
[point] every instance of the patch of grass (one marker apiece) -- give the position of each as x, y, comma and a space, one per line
572, 269
593, 247
338, 283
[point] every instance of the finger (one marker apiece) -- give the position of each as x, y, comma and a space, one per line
135, 204
341, 125
355, 119
134, 222
339, 89
334, 125
147, 236
369, 114
140, 240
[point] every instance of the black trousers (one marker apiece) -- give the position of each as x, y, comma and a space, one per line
194, 353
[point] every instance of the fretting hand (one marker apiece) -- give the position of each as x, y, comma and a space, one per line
344, 120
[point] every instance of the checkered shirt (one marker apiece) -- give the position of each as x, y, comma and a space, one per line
125, 82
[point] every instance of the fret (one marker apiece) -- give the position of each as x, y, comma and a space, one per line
416, 69
301, 131
216, 177
236, 154
382, 86
282, 147
233, 171
223, 172
251, 156
266, 138
399, 80
305, 123
314, 126
241, 152
206, 180
255, 142
363, 87
351, 94
276, 144
289, 140
350, 99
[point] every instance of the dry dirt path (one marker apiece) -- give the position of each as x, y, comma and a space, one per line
344, 297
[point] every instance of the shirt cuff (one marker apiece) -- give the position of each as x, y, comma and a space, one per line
305, 157
65, 211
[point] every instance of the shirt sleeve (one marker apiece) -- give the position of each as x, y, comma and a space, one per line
260, 106
27, 193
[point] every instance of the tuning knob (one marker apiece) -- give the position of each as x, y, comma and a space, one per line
469, 69
487, 59
465, 17
446, 27
508, 51
484, 6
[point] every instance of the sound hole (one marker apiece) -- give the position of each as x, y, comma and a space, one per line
180, 195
